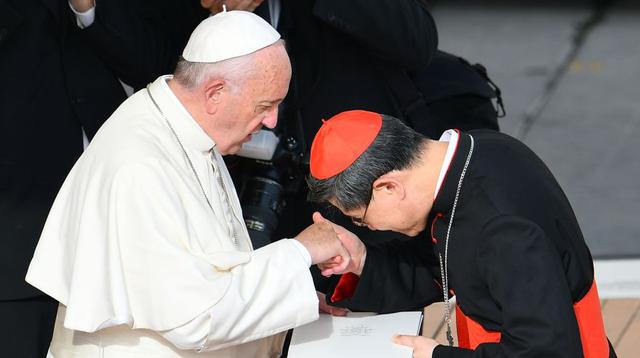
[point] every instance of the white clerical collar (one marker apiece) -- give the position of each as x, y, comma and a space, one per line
187, 129
450, 136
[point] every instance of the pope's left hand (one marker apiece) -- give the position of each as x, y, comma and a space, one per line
422, 346
326, 308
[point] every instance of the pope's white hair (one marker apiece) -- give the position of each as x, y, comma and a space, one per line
234, 71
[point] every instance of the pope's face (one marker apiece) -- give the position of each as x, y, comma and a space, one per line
254, 103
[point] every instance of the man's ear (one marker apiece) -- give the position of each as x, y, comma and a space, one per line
388, 188
213, 93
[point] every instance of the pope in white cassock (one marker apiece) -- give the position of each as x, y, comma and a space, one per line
145, 246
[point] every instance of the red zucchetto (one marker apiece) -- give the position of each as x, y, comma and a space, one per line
341, 140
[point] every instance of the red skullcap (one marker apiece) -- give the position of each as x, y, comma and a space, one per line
341, 140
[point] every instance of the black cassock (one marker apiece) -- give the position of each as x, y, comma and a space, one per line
517, 260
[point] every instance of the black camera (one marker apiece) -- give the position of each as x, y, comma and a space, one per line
269, 166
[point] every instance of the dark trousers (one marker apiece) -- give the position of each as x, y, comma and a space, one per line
27, 326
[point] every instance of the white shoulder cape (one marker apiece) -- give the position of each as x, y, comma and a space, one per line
129, 239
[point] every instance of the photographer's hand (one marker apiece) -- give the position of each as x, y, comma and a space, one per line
356, 248
215, 6
82, 5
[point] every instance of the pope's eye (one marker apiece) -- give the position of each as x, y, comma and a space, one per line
261, 108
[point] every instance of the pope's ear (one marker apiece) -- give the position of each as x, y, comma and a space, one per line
213, 93
387, 187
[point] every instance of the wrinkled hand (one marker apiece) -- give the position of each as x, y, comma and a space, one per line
215, 6
82, 5
323, 245
327, 308
356, 248
422, 346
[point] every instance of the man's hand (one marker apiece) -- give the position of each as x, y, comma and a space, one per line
323, 245
326, 308
82, 5
215, 6
422, 346
356, 248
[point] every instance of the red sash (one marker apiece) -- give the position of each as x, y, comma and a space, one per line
587, 311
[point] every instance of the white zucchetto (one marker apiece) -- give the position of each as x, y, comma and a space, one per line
229, 34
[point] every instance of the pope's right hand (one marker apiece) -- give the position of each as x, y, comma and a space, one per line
356, 249
323, 245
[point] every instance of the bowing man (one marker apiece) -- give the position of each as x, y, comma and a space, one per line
491, 226
145, 247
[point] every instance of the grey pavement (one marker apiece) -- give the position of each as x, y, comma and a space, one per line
569, 75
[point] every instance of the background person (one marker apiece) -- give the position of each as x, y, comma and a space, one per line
56, 90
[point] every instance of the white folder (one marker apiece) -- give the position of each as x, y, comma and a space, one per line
356, 335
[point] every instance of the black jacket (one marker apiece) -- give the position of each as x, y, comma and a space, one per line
53, 85
141, 40
338, 49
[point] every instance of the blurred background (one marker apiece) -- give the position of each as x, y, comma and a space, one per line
569, 72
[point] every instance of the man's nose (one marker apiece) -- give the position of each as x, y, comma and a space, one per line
271, 119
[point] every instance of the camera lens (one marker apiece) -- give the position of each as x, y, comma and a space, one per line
262, 204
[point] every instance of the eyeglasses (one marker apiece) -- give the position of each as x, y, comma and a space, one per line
360, 221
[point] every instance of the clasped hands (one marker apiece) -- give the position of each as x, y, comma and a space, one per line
333, 248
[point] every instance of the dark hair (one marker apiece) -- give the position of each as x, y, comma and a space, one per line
396, 147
